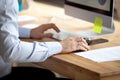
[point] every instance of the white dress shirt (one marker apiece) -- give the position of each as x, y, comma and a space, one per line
12, 48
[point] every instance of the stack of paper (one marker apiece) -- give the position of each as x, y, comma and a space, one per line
102, 55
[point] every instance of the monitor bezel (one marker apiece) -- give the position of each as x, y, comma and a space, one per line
104, 12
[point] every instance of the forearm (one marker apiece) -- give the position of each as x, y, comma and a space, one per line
11, 48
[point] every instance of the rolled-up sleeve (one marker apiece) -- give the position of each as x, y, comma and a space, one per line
12, 48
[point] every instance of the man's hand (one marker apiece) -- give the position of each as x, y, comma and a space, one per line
73, 44
38, 33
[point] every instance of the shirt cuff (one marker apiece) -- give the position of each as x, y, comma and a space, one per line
24, 32
54, 48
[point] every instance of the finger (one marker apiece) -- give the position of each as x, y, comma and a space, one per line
84, 45
82, 48
51, 26
79, 39
84, 41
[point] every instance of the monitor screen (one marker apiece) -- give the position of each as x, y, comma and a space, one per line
89, 10
99, 6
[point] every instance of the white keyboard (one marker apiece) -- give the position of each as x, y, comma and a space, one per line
63, 34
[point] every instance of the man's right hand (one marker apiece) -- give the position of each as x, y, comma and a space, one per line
73, 44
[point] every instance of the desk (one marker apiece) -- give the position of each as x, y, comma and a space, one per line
71, 65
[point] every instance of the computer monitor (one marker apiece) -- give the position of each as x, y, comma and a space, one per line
89, 10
